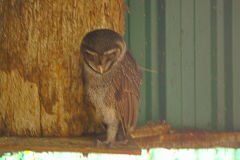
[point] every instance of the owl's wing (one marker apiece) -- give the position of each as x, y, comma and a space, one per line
127, 95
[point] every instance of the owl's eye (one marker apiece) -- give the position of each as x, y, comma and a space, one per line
111, 54
92, 53
112, 51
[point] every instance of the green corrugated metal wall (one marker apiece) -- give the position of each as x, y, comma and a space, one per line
189, 53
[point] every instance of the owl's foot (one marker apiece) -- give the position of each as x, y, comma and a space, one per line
104, 143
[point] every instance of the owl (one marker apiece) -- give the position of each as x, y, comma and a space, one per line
111, 80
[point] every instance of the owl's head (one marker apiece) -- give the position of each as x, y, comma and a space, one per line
102, 49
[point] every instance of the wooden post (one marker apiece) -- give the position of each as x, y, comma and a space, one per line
40, 66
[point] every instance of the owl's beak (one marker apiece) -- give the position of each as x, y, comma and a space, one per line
100, 69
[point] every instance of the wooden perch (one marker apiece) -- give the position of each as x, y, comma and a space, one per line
67, 144
146, 137
160, 135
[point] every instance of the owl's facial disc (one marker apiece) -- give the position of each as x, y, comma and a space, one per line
101, 63
101, 55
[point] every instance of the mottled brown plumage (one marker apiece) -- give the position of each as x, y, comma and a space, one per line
111, 80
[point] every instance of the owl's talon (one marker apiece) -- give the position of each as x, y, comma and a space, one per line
107, 143
98, 142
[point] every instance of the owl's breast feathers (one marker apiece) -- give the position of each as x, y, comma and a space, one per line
126, 92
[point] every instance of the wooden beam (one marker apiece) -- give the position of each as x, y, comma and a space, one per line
65, 144
146, 137
161, 136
